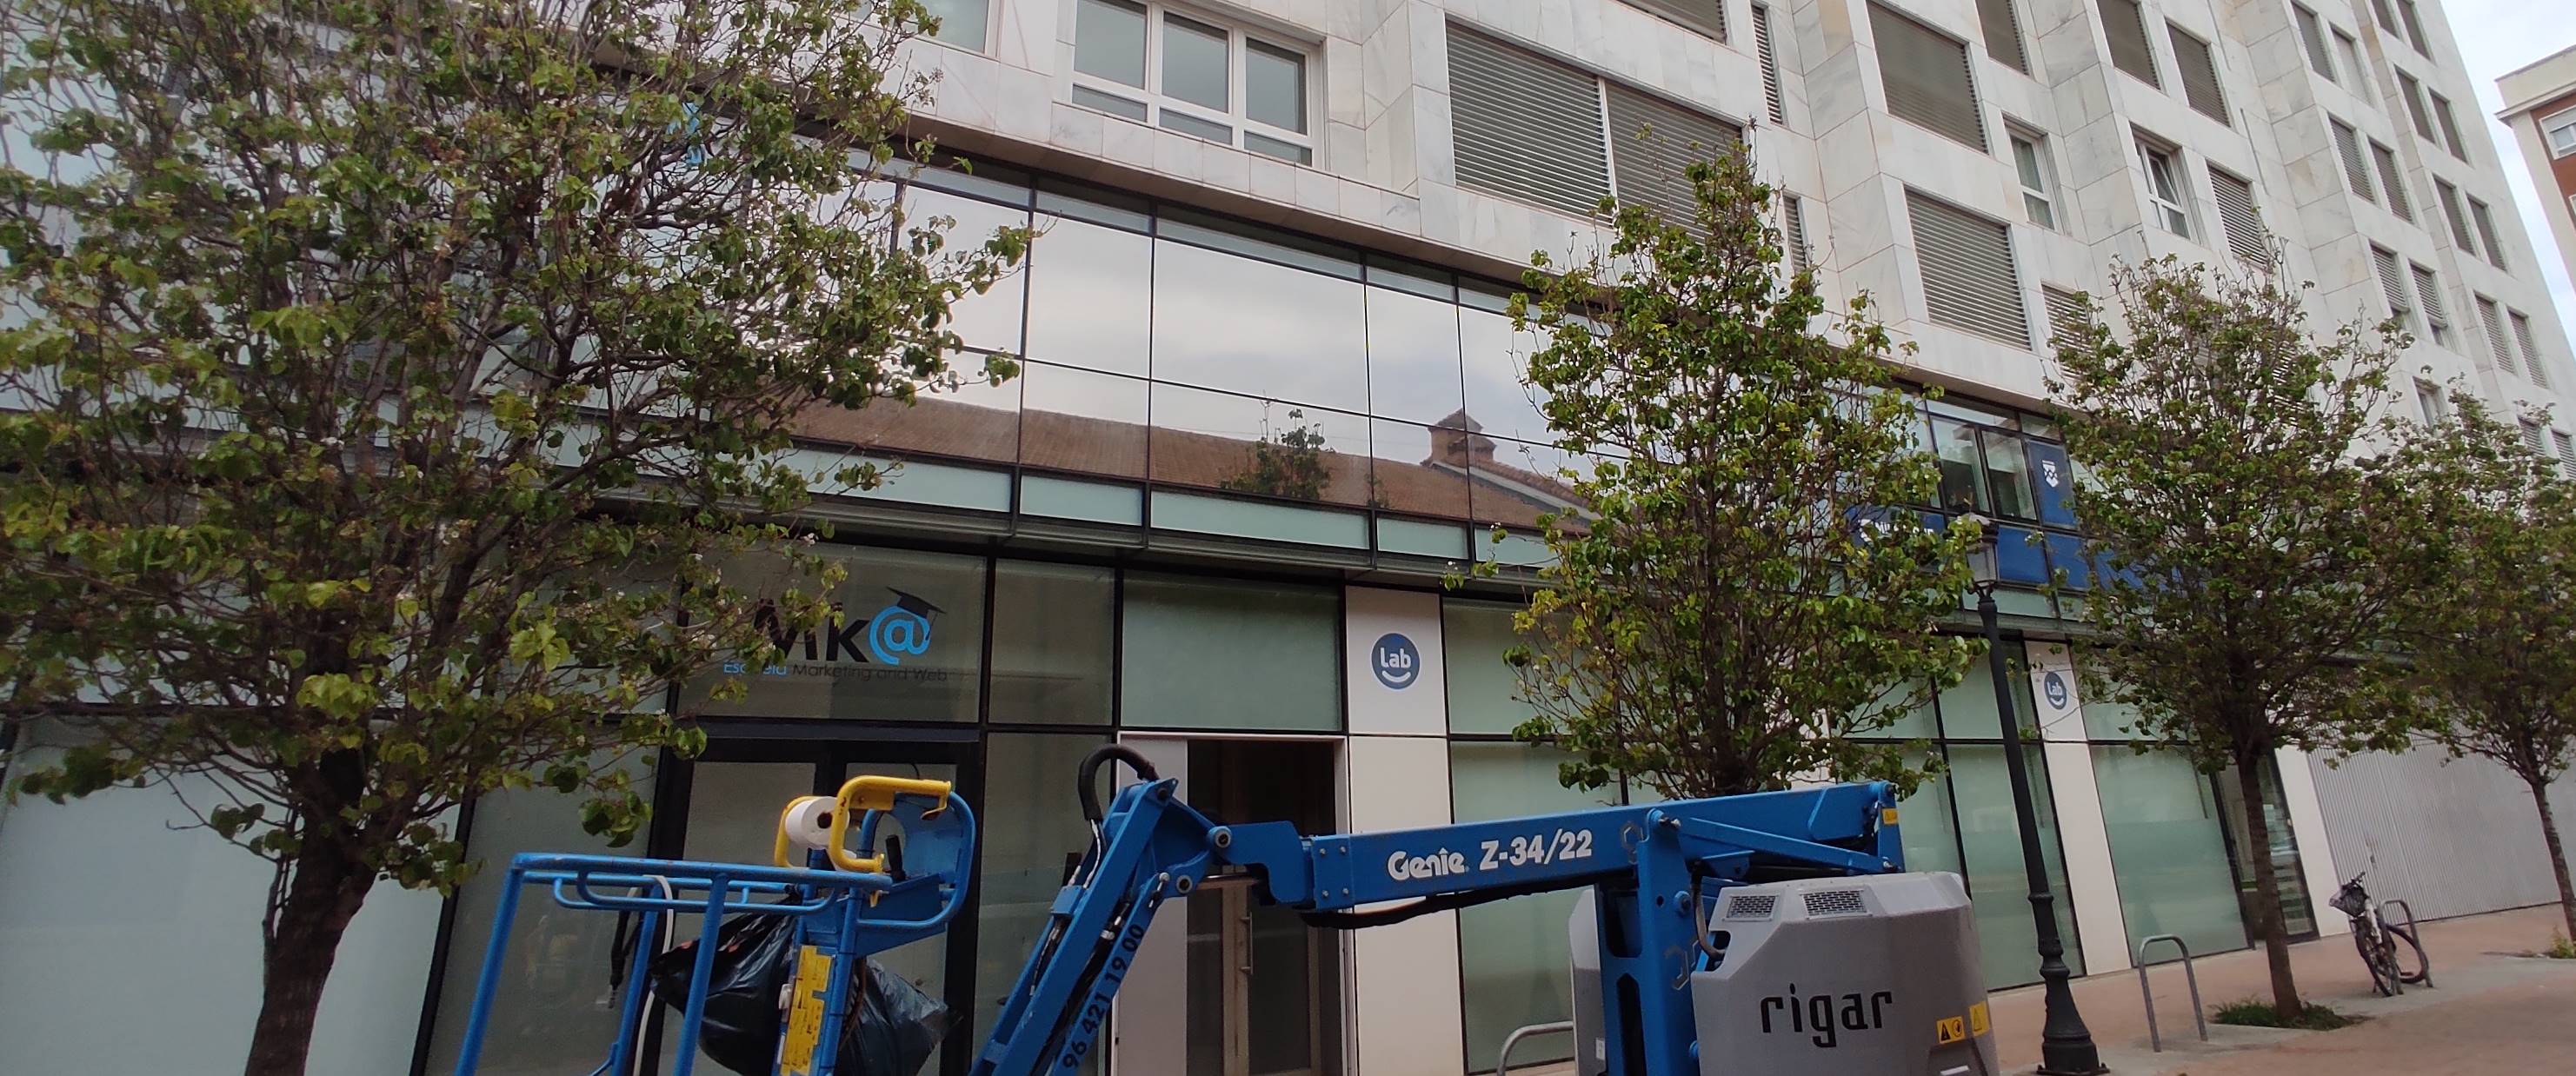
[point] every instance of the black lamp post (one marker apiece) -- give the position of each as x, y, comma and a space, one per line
2065, 1044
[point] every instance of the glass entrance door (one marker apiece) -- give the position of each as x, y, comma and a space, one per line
724, 806
1264, 988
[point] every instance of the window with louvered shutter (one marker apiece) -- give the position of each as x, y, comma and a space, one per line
1706, 16
2459, 220
2002, 29
2566, 452
2393, 181
1653, 143
2492, 320
2238, 217
1925, 74
2530, 352
2356, 172
1967, 266
2437, 316
2485, 219
2124, 25
1525, 127
2066, 320
2531, 436
2199, 74
1770, 65
2392, 284
1793, 231
2450, 125
2313, 39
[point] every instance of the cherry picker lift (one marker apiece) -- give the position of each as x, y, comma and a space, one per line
1771, 933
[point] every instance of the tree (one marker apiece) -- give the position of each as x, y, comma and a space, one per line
2261, 527
1740, 594
388, 383
2492, 650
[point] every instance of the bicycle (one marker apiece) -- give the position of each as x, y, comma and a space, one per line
2377, 939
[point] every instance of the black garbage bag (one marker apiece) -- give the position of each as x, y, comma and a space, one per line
893, 1032
755, 955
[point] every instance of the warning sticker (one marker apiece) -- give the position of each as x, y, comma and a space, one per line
1952, 1029
805, 1012
1978, 1024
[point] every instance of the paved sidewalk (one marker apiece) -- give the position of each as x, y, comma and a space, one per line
2487, 1004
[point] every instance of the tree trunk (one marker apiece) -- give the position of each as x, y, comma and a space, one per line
2268, 924
322, 895
2557, 854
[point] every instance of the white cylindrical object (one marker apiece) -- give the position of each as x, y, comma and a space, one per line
809, 822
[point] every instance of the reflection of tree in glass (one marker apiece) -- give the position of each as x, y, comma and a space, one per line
1289, 464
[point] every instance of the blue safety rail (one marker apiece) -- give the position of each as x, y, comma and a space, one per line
842, 914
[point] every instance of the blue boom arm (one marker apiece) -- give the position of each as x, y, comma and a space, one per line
1653, 866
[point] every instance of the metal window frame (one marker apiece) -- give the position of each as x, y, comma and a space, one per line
1237, 117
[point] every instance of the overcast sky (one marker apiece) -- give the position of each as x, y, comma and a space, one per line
2497, 36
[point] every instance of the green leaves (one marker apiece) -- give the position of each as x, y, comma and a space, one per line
1733, 594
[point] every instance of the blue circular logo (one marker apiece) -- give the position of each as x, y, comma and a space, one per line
2054, 686
1395, 661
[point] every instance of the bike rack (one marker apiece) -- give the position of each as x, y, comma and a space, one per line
2418, 935
1503, 1060
2156, 1042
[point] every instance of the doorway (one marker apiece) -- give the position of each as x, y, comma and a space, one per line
724, 806
2298, 912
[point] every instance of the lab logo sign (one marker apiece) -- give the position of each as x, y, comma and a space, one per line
2048, 472
900, 630
2053, 685
1396, 661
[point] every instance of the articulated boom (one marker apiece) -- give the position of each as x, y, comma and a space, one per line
1650, 865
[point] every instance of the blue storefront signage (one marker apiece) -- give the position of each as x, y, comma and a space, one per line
2053, 685
1396, 661
2054, 482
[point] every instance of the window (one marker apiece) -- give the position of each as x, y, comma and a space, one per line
2241, 219
2566, 452
1199, 653
2414, 28
2199, 73
1183, 74
2124, 25
2312, 40
2530, 352
2393, 181
2559, 130
2413, 92
961, 22
2356, 172
2428, 290
2428, 401
1771, 100
2450, 196
2492, 320
1954, 448
2485, 219
2387, 18
1706, 17
2393, 287
2066, 319
1530, 981
2356, 77
1054, 626
1249, 325
2531, 437
1653, 143
832, 669
1793, 232
2002, 30
2168, 848
2450, 126
2038, 179
1925, 74
2164, 186
1969, 281
1526, 127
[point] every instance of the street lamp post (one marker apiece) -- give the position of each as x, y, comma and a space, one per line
2065, 1044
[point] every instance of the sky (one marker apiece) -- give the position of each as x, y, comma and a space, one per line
2496, 36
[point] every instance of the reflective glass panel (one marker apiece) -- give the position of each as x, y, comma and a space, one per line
1407, 475
1109, 40
1194, 62
1513, 953
1199, 653
1962, 485
1917, 723
1514, 483
2168, 850
2298, 915
1028, 827
1228, 322
1991, 840
1054, 643
1076, 420
1495, 361
990, 320
1239, 444
1090, 296
905, 642
1274, 85
2008, 475
1413, 358
1195, 127
961, 22
1483, 688
1931, 830
971, 419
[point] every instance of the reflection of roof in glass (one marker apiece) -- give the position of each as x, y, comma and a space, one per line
1463, 463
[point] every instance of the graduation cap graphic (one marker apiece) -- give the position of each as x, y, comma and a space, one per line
914, 603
